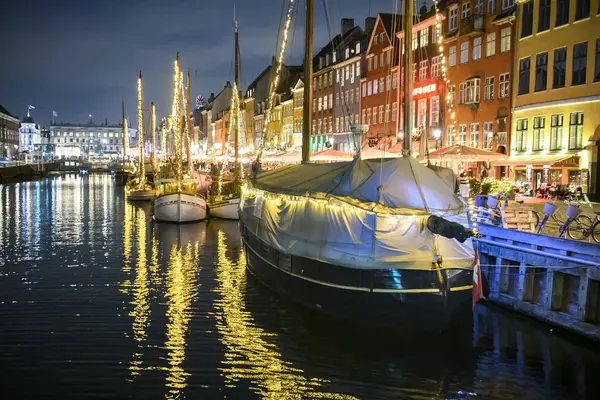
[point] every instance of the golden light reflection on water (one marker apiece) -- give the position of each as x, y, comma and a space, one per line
140, 292
127, 233
181, 285
251, 353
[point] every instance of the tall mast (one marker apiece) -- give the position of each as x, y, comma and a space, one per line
177, 121
407, 23
236, 82
125, 131
188, 128
141, 168
308, 70
153, 134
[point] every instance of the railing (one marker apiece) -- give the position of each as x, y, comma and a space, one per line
472, 24
552, 279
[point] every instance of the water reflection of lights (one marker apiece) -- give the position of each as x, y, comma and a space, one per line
249, 354
140, 291
181, 291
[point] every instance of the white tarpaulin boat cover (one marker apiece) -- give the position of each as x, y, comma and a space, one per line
332, 231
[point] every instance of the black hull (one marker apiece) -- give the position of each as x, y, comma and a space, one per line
427, 300
121, 178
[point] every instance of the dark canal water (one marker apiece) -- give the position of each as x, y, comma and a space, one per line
98, 301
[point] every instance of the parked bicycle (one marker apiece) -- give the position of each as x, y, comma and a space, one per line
576, 225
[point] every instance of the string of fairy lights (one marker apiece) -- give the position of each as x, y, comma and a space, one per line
275, 83
140, 104
176, 120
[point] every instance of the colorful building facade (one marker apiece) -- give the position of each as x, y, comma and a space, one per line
556, 95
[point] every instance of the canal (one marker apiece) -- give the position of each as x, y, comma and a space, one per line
99, 301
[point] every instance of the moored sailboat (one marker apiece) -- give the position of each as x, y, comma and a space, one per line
380, 241
220, 205
123, 172
177, 200
139, 189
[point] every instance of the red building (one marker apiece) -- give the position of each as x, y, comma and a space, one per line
380, 83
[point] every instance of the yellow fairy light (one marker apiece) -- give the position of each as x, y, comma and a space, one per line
141, 167
275, 83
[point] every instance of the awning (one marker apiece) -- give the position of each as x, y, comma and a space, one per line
465, 153
331, 155
549, 159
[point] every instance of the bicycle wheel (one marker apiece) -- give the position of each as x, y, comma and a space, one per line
579, 229
596, 231
536, 216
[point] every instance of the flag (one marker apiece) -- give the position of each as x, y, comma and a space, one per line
54, 113
477, 284
199, 101
30, 107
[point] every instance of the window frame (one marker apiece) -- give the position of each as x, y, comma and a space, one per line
539, 125
524, 76
541, 72
490, 44
582, 56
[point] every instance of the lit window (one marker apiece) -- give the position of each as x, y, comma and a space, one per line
434, 110
369, 88
462, 135
521, 138
556, 130
490, 44
394, 110
451, 95
380, 114
450, 133
504, 85
489, 88
470, 91
474, 142
375, 86
464, 52
452, 56
453, 20
505, 39
423, 68
436, 66
538, 133
476, 48
488, 134
576, 131
424, 37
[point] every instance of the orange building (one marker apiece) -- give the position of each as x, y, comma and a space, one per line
428, 85
479, 45
379, 86
322, 128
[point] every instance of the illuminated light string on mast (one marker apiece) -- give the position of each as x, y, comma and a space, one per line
275, 83
142, 170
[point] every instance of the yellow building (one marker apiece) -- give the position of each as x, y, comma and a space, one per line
555, 127
249, 117
274, 124
298, 94
287, 122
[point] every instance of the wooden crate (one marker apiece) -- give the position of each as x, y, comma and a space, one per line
519, 219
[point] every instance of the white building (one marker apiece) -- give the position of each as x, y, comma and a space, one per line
89, 140
29, 135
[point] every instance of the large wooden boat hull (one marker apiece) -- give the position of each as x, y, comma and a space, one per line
121, 178
141, 195
419, 300
225, 209
179, 208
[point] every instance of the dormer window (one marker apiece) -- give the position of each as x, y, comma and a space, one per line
347, 52
333, 57
357, 47
327, 59
376, 39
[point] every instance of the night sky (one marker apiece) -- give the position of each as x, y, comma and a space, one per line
82, 57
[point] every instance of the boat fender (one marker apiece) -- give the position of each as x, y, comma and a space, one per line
448, 229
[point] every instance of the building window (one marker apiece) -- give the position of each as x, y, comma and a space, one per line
452, 56
521, 139
331, 100
597, 67
370, 62
320, 103
579, 63
450, 132
376, 39
451, 95
539, 124
524, 67
364, 116
582, 9
560, 68
491, 7
464, 52
490, 44
544, 15
369, 88
505, 39
562, 12
527, 20
422, 113
423, 68
424, 37
388, 79
381, 37
394, 110
576, 131
507, 3
465, 10
453, 20
381, 60
414, 73
488, 134
470, 91
474, 142
388, 56
436, 63
489, 88
387, 113
477, 48
395, 81
380, 114
541, 71
434, 111
381, 85
556, 130
375, 62
357, 68
462, 135
364, 89
375, 86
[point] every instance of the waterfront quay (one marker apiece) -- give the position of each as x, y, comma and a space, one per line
96, 299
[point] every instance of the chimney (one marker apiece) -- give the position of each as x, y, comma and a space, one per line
347, 24
370, 24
